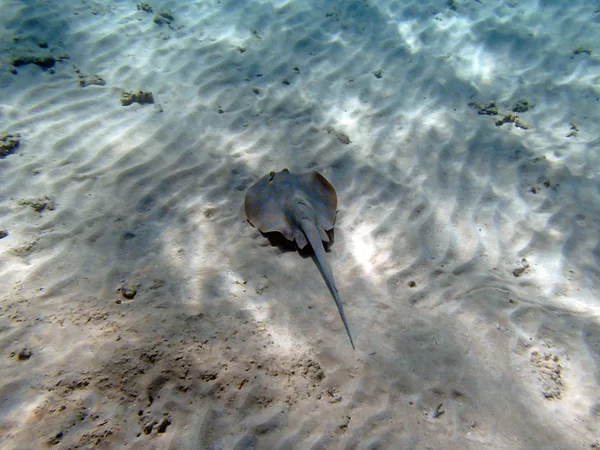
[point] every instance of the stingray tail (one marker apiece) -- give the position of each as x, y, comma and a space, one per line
311, 232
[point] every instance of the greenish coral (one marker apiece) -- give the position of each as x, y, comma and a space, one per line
522, 106
167, 15
164, 17
144, 7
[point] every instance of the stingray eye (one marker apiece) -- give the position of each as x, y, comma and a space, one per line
271, 176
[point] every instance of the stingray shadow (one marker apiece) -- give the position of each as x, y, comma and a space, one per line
277, 239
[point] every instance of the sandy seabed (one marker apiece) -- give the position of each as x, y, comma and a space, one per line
138, 307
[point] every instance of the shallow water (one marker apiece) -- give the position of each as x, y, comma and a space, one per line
139, 307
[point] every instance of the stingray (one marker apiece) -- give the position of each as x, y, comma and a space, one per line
302, 207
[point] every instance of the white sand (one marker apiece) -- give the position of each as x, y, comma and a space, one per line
231, 342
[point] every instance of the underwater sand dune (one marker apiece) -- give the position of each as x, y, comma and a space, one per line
139, 307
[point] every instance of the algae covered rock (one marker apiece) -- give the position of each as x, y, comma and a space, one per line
39, 204
43, 60
32, 50
141, 97
511, 118
85, 79
485, 109
8, 144
491, 109
522, 106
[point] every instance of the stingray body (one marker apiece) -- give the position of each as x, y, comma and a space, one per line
302, 207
